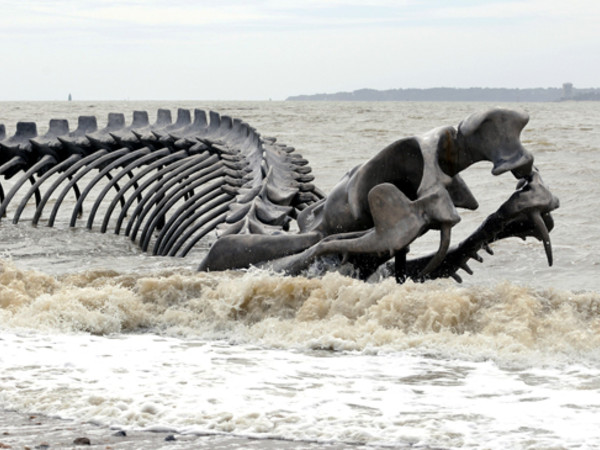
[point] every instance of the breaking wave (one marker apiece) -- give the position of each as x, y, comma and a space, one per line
334, 312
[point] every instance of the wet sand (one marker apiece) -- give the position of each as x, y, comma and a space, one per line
39, 432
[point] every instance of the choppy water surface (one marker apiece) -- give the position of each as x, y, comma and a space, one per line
91, 328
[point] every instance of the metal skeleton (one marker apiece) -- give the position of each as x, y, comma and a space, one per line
173, 183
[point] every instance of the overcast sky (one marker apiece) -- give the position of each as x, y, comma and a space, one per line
256, 50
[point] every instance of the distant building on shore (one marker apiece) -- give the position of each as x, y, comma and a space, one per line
580, 95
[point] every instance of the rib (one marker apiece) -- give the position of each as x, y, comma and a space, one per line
189, 177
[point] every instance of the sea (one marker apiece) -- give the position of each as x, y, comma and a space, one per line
93, 329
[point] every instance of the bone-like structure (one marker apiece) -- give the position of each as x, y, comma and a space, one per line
176, 182
413, 185
526, 213
172, 182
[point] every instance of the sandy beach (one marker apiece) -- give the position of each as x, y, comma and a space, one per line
39, 432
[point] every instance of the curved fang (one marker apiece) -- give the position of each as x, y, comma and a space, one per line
437, 259
540, 226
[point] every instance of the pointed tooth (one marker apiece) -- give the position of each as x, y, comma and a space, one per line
466, 268
437, 259
477, 258
540, 226
344, 258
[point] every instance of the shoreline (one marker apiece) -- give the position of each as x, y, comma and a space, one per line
41, 432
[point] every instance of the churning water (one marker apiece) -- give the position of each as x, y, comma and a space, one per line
92, 328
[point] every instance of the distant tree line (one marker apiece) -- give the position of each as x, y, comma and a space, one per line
456, 95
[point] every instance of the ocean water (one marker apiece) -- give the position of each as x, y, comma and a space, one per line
91, 328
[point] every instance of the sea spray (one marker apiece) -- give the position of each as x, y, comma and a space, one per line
502, 322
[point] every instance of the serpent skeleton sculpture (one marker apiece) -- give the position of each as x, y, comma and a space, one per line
176, 182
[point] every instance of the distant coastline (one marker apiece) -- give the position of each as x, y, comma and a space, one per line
553, 94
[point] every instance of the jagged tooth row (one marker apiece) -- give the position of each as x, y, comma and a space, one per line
188, 177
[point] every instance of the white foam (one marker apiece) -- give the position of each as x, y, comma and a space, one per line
195, 386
